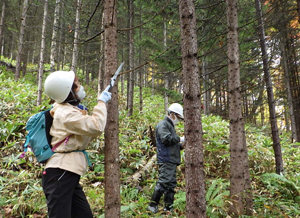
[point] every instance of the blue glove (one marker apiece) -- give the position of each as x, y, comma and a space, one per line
105, 96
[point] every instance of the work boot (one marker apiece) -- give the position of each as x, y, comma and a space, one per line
153, 209
169, 199
153, 206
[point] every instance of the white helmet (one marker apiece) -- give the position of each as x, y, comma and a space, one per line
59, 84
176, 108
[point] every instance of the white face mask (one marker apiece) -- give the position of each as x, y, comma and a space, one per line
176, 120
81, 93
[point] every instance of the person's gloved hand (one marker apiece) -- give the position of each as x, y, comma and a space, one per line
104, 96
182, 139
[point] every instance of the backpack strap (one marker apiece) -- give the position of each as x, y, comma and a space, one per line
83, 151
86, 155
58, 144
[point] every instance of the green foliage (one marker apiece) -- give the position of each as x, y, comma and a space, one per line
278, 196
22, 195
216, 195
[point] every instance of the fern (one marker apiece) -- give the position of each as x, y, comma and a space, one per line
216, 196
278, 183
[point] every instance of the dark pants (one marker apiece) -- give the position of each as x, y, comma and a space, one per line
64, 194
167, 177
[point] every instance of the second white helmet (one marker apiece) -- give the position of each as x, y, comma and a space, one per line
176, 108
59, 84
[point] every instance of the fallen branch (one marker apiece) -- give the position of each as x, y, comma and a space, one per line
136, 178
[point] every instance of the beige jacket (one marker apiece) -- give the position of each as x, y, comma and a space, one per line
71, 121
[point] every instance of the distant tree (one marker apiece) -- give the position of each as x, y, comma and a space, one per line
111, 149
291, 110
1, 26
268, 81
53, 52
166, 77
130, 82
76, 37
240, 192
42, 51
194, 160
21, 39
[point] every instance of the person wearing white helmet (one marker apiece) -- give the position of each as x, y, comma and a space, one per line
168, 146
64, 194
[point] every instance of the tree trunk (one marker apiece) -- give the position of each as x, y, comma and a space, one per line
130, 83
140, 71
166, 75
76, 37
273, 119
101, 61
206, 90
60, 40
21, 39
112, 165
239, 171
152, 77
41, 65
194, 160
1, 27
54, 36
289, 93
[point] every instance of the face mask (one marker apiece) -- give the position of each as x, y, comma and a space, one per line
81, 93
176, 120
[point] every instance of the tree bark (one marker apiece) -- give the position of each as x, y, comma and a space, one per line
54, 36
194, 160
1, 27
21, 39
166, 75
101, 61
42, 51
76, 37
271, 101
289, 93
140, 71
112, 165
239, 171
130, 82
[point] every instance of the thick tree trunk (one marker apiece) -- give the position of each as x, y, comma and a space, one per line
112, 165
271, 101
21, 39
194, 160
42, 51
239, 172
101, 61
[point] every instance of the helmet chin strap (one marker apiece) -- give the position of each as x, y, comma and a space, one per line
74, 100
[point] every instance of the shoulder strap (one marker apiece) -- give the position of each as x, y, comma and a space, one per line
58, 144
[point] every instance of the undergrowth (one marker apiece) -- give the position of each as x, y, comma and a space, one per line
20, 179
